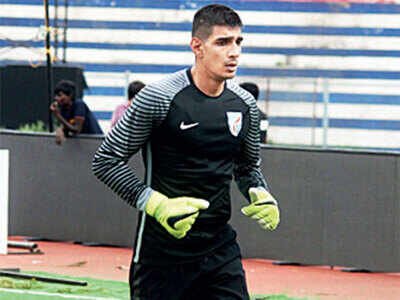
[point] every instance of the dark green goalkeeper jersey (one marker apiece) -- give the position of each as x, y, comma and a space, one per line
198, 144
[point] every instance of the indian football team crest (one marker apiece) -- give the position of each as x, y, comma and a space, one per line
234, 122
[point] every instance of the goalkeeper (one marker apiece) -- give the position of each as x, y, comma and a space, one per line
202, 130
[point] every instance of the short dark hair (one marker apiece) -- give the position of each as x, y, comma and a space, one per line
134, 88
67, 87
252, 88
213, 15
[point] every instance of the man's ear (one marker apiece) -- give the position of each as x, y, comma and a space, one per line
197, 47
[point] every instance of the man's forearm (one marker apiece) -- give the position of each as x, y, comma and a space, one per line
250, 177
117, 175
68, 126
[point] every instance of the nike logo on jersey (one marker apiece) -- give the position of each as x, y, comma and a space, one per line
184, 126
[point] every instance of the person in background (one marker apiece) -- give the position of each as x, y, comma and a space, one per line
253, 89
133, 88
72, 113
200, 130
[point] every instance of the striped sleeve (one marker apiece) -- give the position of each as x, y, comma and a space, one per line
128, 136
247, 172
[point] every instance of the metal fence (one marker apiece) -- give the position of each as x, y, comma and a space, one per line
323, 112
332, 112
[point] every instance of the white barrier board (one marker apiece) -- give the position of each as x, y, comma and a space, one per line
4, 173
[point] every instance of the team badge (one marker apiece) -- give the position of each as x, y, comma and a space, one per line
234, 122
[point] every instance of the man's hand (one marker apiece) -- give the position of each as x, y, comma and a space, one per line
176, 215
263, 208
54, 108
60, 136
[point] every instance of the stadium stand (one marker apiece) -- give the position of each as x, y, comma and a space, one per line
297, 52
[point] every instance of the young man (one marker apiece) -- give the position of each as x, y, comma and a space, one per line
133, 88
73, 114
253, 89
203, 130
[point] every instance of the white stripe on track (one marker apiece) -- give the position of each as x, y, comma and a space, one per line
133, 57
265, 17
54, 294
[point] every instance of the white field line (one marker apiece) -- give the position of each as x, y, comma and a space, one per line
54, 294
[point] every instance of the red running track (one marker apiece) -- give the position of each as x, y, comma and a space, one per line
112, 263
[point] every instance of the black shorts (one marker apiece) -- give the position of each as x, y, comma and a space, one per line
213, 277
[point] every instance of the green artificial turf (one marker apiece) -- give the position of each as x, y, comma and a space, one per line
96, 288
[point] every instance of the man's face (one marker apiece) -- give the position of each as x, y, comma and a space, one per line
221, 51
63, 99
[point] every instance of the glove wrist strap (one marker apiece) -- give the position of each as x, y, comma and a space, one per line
154, 201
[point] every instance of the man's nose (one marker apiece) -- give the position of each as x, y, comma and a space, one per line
235, 51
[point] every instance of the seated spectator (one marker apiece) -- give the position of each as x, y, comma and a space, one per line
252, 88
73, 114
133, 89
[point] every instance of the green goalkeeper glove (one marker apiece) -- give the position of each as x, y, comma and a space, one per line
263, 208
176, 215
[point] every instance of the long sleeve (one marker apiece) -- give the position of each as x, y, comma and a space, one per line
247, 172
110, 162
117, 114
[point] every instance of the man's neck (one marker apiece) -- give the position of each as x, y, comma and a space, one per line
205, 83
68, 106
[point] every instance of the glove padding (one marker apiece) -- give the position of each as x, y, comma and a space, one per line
263, 208
176, 215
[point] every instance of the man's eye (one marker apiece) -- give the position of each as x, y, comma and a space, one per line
221, 42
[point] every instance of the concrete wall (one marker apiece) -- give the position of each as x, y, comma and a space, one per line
53, 193
337, 207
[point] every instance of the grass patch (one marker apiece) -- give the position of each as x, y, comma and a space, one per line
39, 126
95, 288
19, 284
